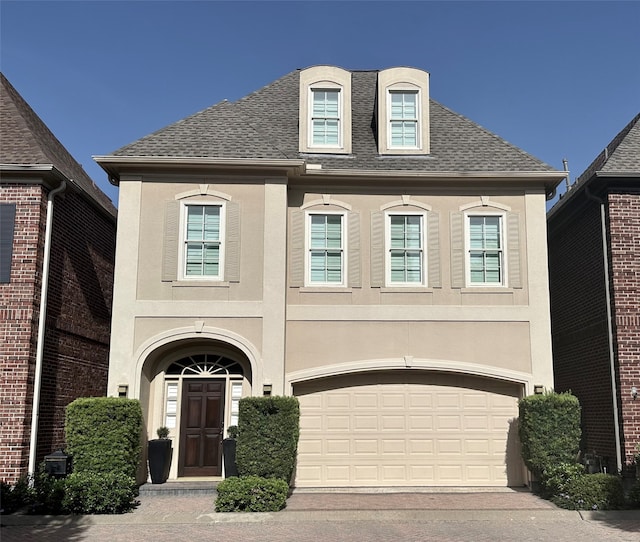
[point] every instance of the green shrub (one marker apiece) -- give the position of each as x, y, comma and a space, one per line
99, 493
17, 496
633, 499
48, 493
103, 434
549, 429
555, 478
251, 494
268, 437
591, 492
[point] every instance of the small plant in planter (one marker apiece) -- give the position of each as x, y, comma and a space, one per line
229, 452
159, 454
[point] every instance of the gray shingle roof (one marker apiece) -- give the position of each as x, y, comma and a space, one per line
264, 124
25, 140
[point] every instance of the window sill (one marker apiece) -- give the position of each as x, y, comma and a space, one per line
486, 290
406, 289
326, 289
200, 284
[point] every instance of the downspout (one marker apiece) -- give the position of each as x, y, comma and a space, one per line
41, 329
614, 388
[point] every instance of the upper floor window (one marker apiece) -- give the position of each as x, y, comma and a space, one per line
326, 248
202, 255
7, 226
403, 119
405, 252
485, 253
325, 117
403, 111
325, 110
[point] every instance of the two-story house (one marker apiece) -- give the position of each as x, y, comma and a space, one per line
57, 252
339, 236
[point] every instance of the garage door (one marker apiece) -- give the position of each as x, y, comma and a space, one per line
408, 428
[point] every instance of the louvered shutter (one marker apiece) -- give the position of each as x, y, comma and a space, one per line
514, 251
355, 272
232, 242
377, 249
296, 255
433, 250
170, 242
457, 250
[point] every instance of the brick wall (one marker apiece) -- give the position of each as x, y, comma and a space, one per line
579, 320
624, 219
76, 347
19, 302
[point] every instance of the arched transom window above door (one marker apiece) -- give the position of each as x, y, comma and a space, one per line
204, 365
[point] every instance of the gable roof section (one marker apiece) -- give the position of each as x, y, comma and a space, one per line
25, 140
264, 125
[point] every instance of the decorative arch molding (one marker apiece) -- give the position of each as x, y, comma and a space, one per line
327, 200
204, 190
408, 362
484, 202
198, 332
406, 200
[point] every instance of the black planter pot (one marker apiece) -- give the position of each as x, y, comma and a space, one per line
229, 452
159, 460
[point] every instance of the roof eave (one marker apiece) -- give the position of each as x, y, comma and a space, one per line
115, 165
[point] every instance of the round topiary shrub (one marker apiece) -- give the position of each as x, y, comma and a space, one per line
251, 494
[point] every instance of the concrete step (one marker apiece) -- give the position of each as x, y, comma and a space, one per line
179, 488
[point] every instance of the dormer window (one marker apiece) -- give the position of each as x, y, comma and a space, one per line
403, 111
325, 117
325, 110
403, 119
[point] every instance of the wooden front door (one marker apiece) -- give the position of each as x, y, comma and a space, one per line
201, 428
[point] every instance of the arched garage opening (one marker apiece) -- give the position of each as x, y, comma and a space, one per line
408, 428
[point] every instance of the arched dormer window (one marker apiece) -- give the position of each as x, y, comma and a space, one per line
325, 110
403, 111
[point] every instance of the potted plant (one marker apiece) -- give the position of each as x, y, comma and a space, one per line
229, 451
159, 454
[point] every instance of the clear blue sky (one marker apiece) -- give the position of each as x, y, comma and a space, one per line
558, 79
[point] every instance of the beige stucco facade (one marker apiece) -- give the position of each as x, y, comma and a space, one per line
336, 217
287, 335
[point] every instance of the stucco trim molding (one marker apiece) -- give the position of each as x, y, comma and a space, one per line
406, 200
408, 362
326, 200
484, 202
204, 190
196, 332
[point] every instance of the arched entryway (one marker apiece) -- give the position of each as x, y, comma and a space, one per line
194, 390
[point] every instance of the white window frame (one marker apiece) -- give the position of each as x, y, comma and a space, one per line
423, 248
308, 249
416, 119
326, 88
502, 251
183, 241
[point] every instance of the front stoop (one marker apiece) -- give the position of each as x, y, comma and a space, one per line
194, 488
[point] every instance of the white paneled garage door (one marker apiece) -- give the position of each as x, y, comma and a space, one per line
408, 428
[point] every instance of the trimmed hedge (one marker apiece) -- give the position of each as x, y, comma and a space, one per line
251, 494
269, 428
591, 492
99, 493
549, 430
103, 435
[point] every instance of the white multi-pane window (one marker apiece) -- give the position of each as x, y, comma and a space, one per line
485, 250
325, 117
325, 243
171, 405
202, 254
405, 254
236, 395
403, 119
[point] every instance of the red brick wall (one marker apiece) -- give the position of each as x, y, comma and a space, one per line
78, 323
19, 301
579, 321
624, 218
